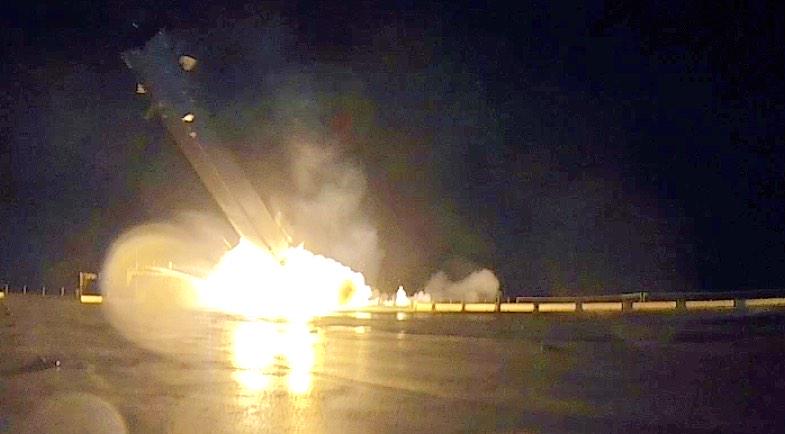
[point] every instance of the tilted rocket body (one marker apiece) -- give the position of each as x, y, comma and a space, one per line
166, 75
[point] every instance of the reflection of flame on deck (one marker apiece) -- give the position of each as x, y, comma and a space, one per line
261, 350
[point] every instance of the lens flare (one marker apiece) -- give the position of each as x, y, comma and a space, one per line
296, 284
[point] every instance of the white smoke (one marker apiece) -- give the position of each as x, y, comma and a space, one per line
328, 211
481, 285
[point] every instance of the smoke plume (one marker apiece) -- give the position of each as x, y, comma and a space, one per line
328, 208
481, 285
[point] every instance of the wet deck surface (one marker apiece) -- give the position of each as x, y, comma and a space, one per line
387, 373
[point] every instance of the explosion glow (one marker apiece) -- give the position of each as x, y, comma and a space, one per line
401, 299
262, 276
295, 285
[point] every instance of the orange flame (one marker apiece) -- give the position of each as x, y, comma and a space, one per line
296, 284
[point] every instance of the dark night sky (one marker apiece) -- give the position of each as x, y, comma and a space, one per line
594, 148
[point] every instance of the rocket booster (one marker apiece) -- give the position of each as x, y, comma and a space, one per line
166, 76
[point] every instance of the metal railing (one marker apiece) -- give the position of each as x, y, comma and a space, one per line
7, 289
655, 296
